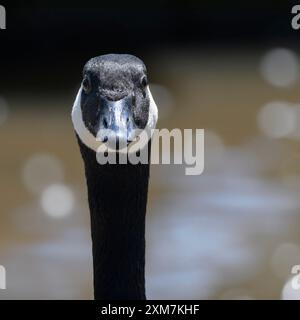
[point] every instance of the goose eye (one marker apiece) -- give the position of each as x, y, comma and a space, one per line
86, 84
144, 81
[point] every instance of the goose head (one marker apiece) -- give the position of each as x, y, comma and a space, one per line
114, 102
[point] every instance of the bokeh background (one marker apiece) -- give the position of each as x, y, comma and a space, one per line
228, 67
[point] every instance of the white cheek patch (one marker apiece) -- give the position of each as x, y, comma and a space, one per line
153, 112
88, 138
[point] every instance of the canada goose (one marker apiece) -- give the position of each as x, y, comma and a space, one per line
115, 95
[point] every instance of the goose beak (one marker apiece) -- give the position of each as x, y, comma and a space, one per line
116, 122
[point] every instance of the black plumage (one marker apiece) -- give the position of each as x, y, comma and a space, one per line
117, 193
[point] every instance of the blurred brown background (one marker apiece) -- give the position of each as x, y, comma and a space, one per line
232, 69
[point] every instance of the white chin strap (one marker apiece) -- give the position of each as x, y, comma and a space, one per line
90, 141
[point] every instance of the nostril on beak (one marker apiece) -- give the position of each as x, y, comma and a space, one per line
105, 123
128, 123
